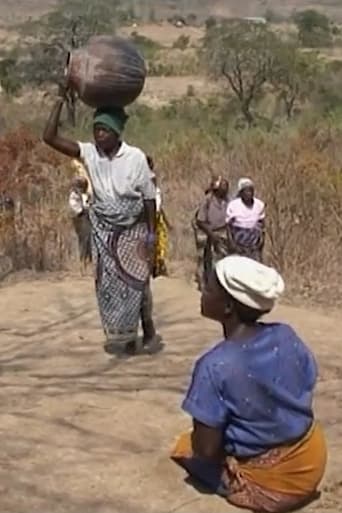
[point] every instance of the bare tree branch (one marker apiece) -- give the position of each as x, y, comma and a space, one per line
240, 53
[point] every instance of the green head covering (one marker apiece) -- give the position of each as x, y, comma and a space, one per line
114, 118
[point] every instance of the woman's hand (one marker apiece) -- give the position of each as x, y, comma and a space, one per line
207, 442
231, 243
215, 239
63, 89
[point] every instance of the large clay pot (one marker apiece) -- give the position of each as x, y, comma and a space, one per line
108, 71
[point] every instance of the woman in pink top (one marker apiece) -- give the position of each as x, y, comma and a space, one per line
246, 221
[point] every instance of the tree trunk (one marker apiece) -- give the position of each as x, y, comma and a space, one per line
245, 108
289, 104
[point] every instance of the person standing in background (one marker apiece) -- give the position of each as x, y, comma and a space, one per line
211, 221
200, 241
246, 222
79, 203
163, 227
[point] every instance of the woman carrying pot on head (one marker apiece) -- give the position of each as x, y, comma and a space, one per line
211, 221
122, 216
246, 222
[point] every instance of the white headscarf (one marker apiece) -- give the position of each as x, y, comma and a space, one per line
250, 282
243, 183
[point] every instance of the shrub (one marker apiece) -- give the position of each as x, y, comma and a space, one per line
174, 63
300, 180
37, 179
313, 28
147, 46
182, 42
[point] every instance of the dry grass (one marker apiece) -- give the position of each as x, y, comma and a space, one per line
297, 175
300, 180
161, 91
36, 235
12, 12
164, 33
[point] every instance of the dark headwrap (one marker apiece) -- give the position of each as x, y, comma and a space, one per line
114, 118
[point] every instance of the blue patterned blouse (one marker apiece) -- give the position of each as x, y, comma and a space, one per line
258, 392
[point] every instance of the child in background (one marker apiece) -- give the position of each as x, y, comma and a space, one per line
79, 202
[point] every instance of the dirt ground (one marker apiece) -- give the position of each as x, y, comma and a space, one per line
160, 91
164, 33
81, 432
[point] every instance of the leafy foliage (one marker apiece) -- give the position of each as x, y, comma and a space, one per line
68, 26
313, 28
293, 75
253, 60
241, 53
146, 46
182, 42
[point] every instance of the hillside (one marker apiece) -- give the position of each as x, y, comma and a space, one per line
13, 11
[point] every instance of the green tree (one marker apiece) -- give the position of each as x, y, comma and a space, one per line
293, 75
328, 94
68, 26
242, 54
210, 22
8, 80
313, 28
182, 42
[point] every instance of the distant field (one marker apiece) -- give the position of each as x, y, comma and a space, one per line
164, 33
13, 11
160, 90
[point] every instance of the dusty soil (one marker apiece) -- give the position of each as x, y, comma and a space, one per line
81, 432
160, 91
164, 33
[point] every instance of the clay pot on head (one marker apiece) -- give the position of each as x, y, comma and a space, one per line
108, 71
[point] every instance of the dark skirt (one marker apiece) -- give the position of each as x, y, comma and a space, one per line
247, 241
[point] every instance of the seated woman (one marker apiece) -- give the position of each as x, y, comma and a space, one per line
254, 439
246, 222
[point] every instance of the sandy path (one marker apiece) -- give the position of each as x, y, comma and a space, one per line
82, 433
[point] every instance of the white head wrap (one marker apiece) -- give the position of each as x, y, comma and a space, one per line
249, 282
245, 182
